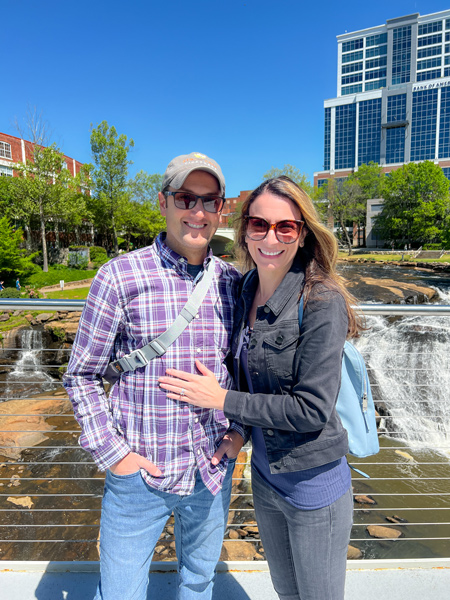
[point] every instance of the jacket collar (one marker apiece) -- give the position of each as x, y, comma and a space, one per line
292, 283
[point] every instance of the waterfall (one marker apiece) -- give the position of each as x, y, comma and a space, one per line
408, 360
27, 375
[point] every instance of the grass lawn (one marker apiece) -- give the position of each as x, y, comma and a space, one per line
76, 294
392, 257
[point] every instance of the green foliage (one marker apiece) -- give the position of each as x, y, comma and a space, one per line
10, 293
416, 208
144, 188
109, 176
98, 256
14, 261
301, 179
54, 276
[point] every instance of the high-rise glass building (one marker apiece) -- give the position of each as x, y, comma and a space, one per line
393, 97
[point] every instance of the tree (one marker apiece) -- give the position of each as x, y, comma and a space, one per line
290, 171
40, 189
143, 193
109, 177
367, 184
416, 205
14, 261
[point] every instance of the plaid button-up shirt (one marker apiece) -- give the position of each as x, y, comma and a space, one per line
133, 299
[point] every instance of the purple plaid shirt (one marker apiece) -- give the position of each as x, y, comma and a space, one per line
133, 299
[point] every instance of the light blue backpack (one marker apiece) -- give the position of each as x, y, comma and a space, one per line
355, 403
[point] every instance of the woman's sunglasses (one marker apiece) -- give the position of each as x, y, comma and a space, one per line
286, 232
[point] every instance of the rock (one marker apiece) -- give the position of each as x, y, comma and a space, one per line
4, 317
26, 501
396, 519
43, 317
17, 313
353, 553
389, 291
18, 430
251, 530
29, 318
69, 328
361, 499
386, 533
238, 551
233, 535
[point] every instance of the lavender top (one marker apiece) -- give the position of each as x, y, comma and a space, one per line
133, 299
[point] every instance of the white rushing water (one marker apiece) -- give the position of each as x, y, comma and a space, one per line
409, 365
28, 374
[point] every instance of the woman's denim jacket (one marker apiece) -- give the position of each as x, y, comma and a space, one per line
295, 374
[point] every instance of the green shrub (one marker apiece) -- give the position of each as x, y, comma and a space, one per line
54, 276
98, 256
10, 293
432, 246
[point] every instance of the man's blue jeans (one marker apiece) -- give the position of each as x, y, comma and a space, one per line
133, 518
306, 549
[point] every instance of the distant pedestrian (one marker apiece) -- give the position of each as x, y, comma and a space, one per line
18, 286
2, 287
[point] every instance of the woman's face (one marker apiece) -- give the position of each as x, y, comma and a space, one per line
270, 254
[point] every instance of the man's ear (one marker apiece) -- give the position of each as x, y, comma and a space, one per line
162, 203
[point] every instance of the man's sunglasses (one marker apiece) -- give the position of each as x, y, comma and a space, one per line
286, 232
187, 201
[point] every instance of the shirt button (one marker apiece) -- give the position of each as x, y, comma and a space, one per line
270, 432
197, 316
196, 420
199, 349
199, 451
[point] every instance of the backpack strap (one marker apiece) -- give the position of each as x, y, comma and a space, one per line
157, 347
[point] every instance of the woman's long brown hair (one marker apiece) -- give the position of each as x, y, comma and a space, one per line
320, 250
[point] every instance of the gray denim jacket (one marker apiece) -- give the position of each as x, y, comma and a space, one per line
295, 374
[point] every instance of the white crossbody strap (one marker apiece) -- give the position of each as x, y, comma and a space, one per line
158, 346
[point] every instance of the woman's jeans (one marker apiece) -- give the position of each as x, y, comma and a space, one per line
306, 549
133, 518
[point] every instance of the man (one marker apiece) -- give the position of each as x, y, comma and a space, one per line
160, 455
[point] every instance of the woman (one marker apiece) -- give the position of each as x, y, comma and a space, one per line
288, 381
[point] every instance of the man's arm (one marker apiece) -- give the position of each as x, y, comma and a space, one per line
100, 322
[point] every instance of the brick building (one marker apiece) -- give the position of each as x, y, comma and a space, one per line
15, 150
230, 207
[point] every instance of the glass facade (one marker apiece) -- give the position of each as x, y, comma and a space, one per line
401, 55
427, 75
327, 140
375, 85
423, 125
352, 89
369, 131
345, 136
395, 145
447, 172
444, 125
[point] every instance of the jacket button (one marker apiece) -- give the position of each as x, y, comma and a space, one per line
279, 339
266, 309
256, 373
270, 432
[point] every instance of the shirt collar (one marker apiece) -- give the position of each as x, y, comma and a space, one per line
172, 258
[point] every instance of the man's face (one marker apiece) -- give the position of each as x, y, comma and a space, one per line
190, 231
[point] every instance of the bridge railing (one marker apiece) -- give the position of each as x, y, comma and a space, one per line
50, 489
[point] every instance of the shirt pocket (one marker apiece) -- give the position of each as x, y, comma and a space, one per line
280, 347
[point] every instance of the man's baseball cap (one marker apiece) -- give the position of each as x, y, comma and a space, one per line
182, 166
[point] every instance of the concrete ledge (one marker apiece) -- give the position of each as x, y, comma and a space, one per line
222, 567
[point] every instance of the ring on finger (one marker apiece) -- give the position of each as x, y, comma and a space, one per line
182, 392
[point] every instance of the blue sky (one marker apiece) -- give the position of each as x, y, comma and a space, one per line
242, 81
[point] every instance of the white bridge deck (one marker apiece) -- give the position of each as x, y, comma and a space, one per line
366, 580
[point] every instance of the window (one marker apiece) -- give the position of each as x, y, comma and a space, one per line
395, 145
447, 48
351, 78
352, 57
429, 63
369, 127
345, 133
430, 40
375, 85
352, 67
376, 62
321, 182
444, 125
396, 108
377, 51
376, 40
423, 126
447, 23
6, 171
446, 171
401, 55
352, 45
327, 140
430, 27
431, 51
426, 75
5, 150
375, 74
351, 89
